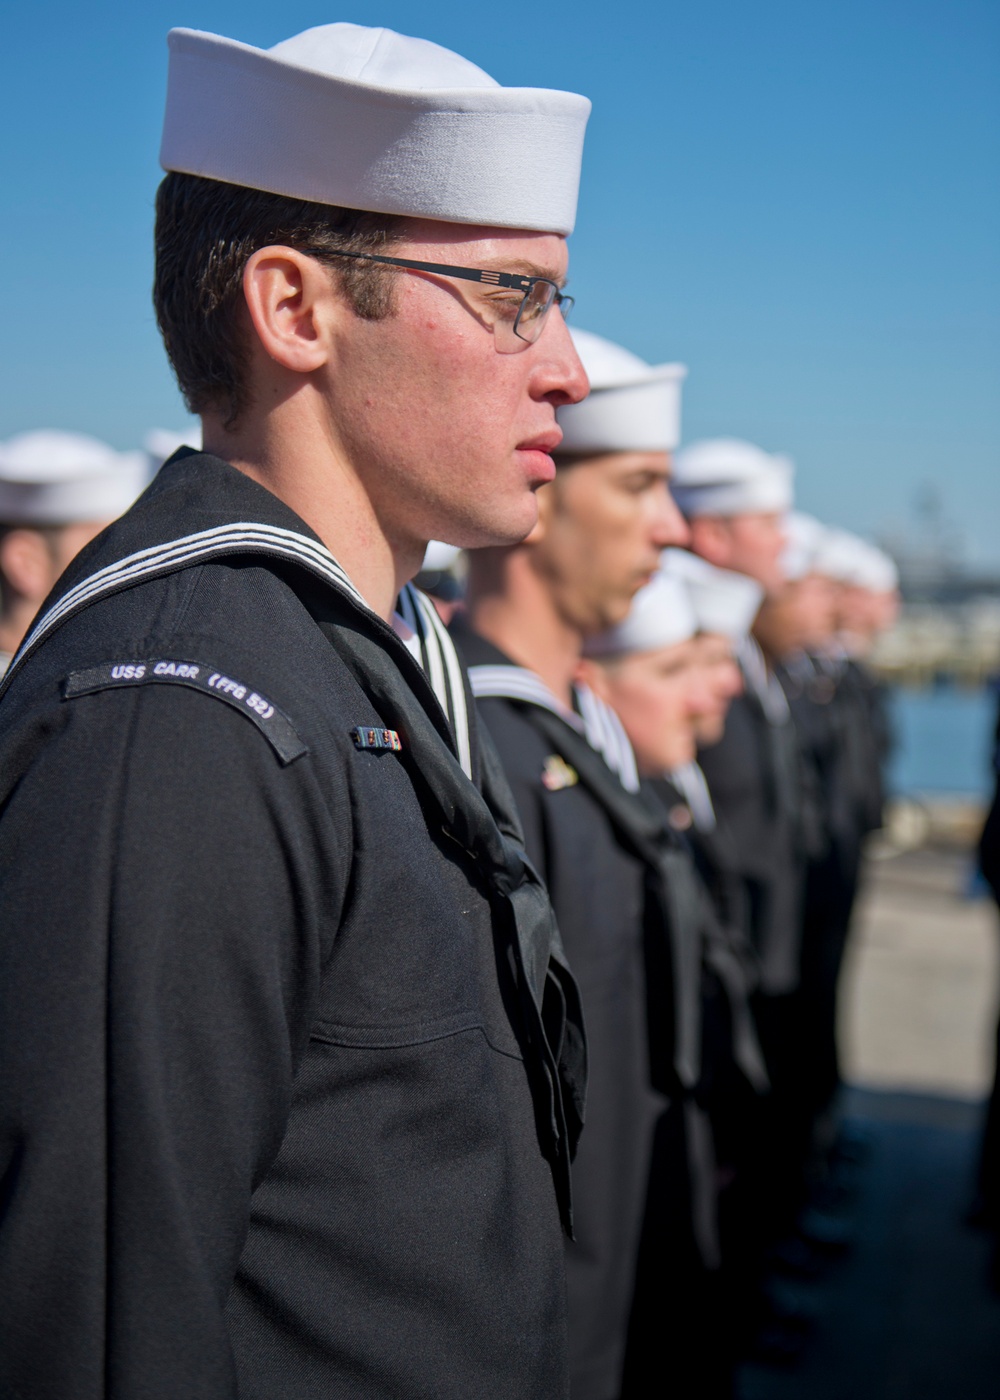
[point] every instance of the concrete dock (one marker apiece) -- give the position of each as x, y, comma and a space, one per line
909, 1313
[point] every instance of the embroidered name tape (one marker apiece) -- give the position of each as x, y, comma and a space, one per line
276, 727
378, 739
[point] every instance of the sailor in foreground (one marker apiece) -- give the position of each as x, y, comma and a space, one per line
57, 491
604, 853
294, 1067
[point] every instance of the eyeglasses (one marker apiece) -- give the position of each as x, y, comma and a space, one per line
515, 324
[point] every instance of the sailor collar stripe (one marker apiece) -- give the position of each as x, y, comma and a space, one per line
441, 665
186, 550
276, 727
439, 659
597, 722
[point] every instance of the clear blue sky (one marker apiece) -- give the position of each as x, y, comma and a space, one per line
799, 200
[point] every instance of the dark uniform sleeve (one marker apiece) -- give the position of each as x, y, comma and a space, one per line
161, 937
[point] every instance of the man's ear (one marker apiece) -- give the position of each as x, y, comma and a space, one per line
292, 304
26, 565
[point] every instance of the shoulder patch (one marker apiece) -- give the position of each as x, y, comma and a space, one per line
276, 727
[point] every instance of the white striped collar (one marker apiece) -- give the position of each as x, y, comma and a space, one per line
438, 657
596, 721
606, 733
691, 783
510, 682
764, 684
441, 665
239, 537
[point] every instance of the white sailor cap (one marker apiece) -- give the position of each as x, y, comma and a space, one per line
632, 406
661, 616
55, 478
161, 443
370, 119
841, 556
723, 602
724, 476
852, 560
879, 570
439, 558
804, 536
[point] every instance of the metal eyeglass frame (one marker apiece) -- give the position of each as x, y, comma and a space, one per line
516, 281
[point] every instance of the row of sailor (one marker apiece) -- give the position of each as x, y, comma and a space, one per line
331, 1203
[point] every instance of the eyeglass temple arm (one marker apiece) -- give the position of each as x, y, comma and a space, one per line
515, 280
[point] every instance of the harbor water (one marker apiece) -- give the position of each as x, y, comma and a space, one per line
943, 742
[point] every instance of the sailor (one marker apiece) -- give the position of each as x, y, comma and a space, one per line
670, 673
294, 1066
841, 595
723, 605
867, 607
735, 497
605, 853
57, 491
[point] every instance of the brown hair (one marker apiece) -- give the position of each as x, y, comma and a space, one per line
205, 233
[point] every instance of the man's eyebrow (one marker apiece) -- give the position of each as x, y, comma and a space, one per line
526, 269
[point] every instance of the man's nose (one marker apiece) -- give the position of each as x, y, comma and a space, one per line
670, 529
562, 377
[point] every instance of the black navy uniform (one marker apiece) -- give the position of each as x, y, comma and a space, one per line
754, 777
279, 1113
837, 710
630, 913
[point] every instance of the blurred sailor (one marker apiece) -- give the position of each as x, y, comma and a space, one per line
604, 853
840, 595
57, 491
665, 680
735, 497
294, 1067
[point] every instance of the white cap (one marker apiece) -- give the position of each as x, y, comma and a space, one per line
439, 557
724, 476
661, 616
54, 478
852, 560
804, 536
161, 443
632, 406
843, 556
723, 602
370, 119
880, 571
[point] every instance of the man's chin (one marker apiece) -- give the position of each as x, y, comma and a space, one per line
500, 531
710, 732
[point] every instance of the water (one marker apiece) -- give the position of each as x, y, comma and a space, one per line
944, 740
